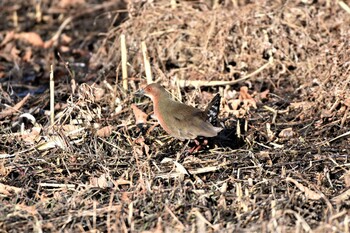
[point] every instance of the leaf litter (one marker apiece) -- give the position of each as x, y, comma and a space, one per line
103, 164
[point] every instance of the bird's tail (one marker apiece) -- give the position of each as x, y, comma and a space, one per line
213, 109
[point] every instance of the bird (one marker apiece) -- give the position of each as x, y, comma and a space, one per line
177, 119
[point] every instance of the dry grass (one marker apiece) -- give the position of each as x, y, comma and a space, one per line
95, 170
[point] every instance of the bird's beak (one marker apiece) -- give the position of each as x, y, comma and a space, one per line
140, 93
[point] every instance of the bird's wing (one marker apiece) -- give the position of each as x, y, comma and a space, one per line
196, 125
188, 122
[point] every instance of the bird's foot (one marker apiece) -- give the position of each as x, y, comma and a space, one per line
198, 146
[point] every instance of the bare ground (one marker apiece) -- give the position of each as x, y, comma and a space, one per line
280, 165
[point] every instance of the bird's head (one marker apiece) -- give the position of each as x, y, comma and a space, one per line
153, 91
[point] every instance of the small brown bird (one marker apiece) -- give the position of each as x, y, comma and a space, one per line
178, 119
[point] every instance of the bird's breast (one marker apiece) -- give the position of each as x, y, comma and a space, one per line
163, 119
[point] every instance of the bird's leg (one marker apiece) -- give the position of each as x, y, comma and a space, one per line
195, 148
198, 146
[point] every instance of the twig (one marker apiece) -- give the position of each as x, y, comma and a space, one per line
12, 110
52, 97
345, 7
201, 83
51, 185
340, 136
146, 62
124, 55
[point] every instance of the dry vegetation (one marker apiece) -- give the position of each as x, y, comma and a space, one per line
281, 164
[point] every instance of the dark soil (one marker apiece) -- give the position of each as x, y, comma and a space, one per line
281, 164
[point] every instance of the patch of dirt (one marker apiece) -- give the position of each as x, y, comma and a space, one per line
281, 163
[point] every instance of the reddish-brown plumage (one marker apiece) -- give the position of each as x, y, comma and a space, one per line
178, 119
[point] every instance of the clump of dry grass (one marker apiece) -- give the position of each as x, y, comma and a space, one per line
95, 170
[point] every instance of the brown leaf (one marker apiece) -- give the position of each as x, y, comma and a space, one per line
12, 110
305, 105
64, 49
264, 94
28, 54
286, 133
125, 197
265, 156
140, 140
243, 92
140, 116
347, 102
4, 170
235, 104
105, 131
347, 179
70, 3
308, 192
246, 98
99, 93
31, 38
7, 190
65, 39
32, 135
343, 197
100, 182
9, 36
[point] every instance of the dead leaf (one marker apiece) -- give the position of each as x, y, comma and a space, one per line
32, 135
243, 93
32, 38
52, 142
265, 156
179, 167
286, 133
125, 197
140, 116
65, 39
347, 179
100, 182
264, 94
139, 140
310, 194
304, 105
342, 197
28, 54
14, 54
347, 102
235, 104
9, 36
122, 181
4, 170
10, 111
70, 129
29, 209
64, 49
8, 190
269, 132
99, 93
222, 202
105, 131
246, 98
70, 3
